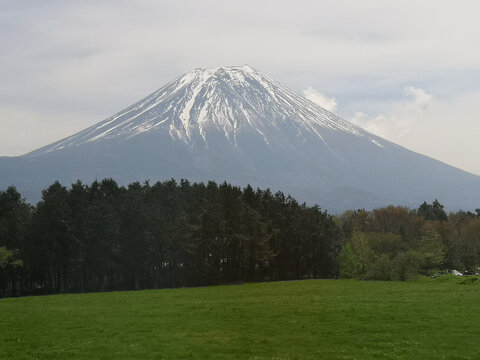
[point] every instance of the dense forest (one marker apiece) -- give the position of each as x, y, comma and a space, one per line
103, 237
107, 237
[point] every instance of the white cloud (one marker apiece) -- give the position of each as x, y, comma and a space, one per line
445, 129
320, 99
398, 122
421, 99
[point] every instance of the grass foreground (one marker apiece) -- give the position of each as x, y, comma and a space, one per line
312, 319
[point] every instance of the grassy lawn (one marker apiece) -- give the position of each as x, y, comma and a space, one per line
314, 319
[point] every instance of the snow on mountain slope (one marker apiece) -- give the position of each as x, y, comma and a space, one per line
231, 99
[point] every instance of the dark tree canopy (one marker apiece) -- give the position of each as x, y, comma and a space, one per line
103, 236
433, 211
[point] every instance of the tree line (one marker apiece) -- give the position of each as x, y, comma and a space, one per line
396, 243
103, 237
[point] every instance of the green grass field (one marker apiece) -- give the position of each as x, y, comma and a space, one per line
314, 319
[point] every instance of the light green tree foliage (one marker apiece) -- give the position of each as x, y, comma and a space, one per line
8, 258
385, 247
349, 266
406, 265
432, 249
362, 250
380, 269
380, 256
385, 243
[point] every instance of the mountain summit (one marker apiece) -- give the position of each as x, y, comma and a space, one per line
230, 100
236, 124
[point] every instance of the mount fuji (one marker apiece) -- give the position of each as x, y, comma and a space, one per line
238, 125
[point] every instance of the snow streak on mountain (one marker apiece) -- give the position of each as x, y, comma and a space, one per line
238, 125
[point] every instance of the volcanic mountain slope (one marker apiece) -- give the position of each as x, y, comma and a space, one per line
235, 124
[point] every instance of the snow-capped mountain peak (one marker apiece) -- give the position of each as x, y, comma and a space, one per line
229, 100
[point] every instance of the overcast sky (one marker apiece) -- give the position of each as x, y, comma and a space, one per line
406, 70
